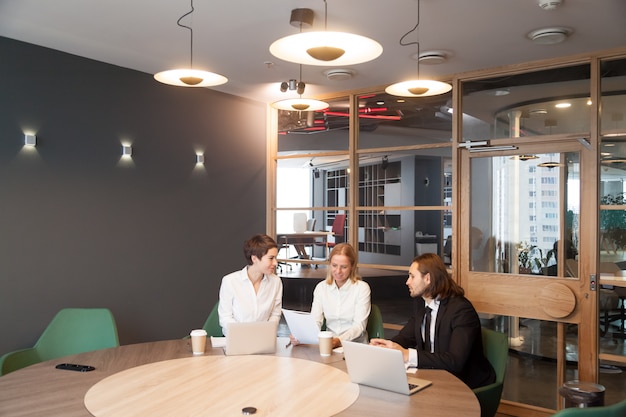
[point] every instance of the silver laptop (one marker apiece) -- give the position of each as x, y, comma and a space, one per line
251, 338
380, 367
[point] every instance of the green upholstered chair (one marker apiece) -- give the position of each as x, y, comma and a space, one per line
496, 348
614, 410
71, 331
375, 327
212, 323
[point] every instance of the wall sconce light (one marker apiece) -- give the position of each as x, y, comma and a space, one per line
199, 159
127, 151
30, 140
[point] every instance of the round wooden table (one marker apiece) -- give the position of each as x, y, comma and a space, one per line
45, 391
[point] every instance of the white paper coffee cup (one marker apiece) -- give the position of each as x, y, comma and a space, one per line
326, 343
198, 341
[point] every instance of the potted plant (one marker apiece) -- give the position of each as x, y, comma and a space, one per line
524, 258
613, 222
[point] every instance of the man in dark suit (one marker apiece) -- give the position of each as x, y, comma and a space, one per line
453, 333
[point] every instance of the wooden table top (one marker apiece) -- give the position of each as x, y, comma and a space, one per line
616, 278
44, 391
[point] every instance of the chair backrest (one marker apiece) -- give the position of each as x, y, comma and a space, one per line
338, 224
375, 327
212, 323
614, 410
18, 359
77, 330
496, 349
310, 225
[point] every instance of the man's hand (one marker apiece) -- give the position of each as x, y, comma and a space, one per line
390, 345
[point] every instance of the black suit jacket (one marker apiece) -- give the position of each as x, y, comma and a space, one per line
458, 341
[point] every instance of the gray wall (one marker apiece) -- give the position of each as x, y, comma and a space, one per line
149, 239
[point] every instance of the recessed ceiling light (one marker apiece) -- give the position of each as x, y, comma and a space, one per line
431, 57
549, 36
339, 74
563, 105
549, 4
537, 112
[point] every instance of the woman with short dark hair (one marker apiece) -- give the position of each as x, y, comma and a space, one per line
255, 292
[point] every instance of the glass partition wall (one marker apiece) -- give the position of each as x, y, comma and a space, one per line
500, 178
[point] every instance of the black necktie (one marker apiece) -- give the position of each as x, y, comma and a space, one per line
427, 329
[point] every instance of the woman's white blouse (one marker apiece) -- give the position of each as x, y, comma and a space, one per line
346, 309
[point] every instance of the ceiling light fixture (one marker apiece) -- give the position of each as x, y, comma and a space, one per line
549, 36
299, 104
549, 164
431, 57
525, 157
417, 87
323, 47
189, 77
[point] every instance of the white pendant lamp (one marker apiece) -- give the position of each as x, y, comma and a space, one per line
417, 87
299, 104
189, 77
323, 48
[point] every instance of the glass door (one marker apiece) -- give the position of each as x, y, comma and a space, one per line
520, 262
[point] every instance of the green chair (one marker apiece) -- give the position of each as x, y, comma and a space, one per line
71, 331
615, 410
212, 323
375, 327
496, 348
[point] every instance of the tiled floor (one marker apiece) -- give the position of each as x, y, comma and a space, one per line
531, 370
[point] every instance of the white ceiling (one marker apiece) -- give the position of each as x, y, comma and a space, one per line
232, 37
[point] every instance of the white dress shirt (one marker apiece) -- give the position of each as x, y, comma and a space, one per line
346, 309
434, 306
240, 303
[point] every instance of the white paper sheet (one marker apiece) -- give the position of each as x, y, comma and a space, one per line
218, 342
302, 326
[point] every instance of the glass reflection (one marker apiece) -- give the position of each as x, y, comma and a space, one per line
546, 102
386, 120
517, 208
310, 131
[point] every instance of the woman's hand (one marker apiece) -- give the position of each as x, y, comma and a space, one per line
336, 342
293, 340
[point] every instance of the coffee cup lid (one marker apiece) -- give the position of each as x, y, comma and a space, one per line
325, 333
198, 332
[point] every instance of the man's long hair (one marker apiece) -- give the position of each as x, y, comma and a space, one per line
442, 285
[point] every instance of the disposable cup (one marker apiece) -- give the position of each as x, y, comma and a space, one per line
326, 343
198, 341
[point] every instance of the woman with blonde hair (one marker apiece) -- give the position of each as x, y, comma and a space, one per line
342, 299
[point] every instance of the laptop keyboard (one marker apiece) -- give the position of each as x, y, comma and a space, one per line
411, 386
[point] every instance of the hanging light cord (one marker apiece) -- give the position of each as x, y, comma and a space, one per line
325, 16
190, 31
404, 43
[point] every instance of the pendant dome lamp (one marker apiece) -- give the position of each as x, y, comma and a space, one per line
323, 48
299, 104
417, 87
189, 77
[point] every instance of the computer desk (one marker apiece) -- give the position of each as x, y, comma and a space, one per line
44, 391
307, 238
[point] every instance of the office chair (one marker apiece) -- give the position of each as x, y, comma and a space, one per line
338, 231
496, 349
212, 323
615, 410
71, 331
375, 327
